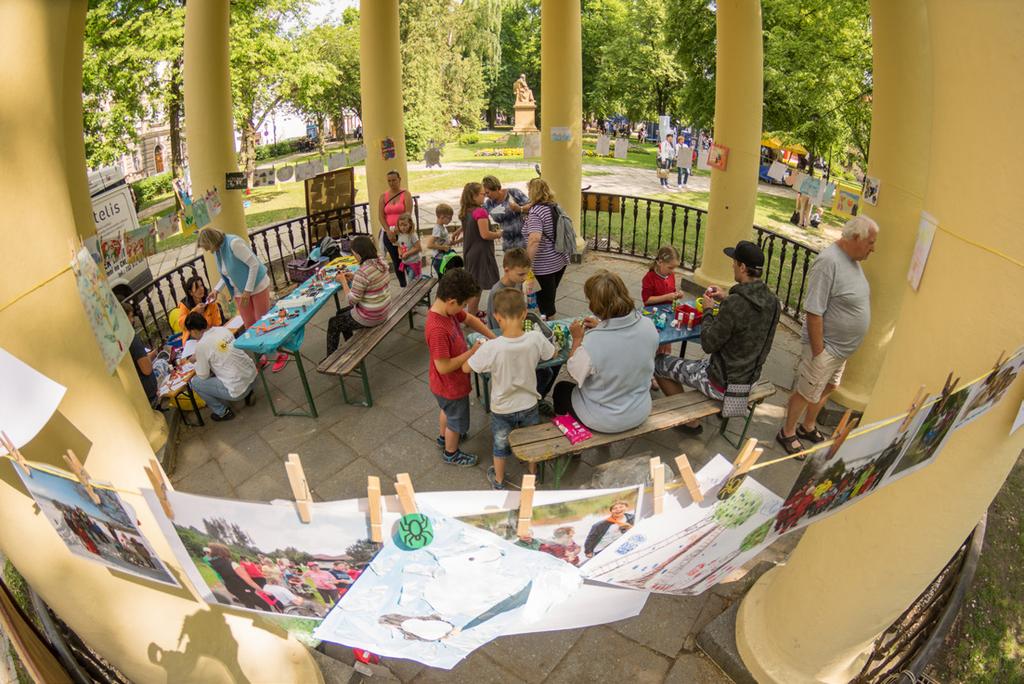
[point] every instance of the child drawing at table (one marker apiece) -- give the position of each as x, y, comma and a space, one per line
659, 285
409, 246
368, 295
512, 362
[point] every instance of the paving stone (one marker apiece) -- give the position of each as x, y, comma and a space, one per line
366, 432
603, 655
663, 624
413, 359
404, 670
206, 480
404, 451
319, 384
713, 606
266, 485
475, 669
192, 452
695, 668
286, 431
242, 457
411, 398
349, 482
532, 656
322, 456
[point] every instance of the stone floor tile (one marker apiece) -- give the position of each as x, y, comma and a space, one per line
192, 452
663, 624
322, 456
438, 476
243, 456
266, 485
319, 384
365, 432
695, 668
413, 359
405, 670
532, 656
284, 432
404, 451
349, 482
206, 480
475, 669
411, 398
603, 655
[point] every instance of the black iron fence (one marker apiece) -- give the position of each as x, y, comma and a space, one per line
638, 226
275, 245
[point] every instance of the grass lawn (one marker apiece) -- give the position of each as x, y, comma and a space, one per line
155, 200
987, 642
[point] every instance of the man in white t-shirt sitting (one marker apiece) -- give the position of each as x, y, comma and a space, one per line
223, 373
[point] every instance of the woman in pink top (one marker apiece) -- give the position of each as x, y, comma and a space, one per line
393, 203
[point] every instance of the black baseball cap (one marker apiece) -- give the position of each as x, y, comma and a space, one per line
747, 253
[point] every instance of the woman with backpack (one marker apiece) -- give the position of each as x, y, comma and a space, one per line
548, 263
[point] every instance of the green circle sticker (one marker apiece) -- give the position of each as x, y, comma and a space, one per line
414, 532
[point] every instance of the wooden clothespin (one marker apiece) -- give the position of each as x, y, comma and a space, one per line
743, 455
156, 478
948, 388
526, 506
300, 488
14, 453
82, 474
915, 407
373, 503
658, 484
689, 479
999, 361
744, 461
406, 494
750, 461
841, 432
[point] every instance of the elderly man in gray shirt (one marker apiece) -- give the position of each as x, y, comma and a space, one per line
838, 308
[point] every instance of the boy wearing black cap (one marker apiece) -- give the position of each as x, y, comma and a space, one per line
737, 339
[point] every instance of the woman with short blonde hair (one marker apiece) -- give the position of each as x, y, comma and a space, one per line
548, 264
612, 364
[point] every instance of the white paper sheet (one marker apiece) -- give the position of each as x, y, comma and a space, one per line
1019, 420
336, 161
777, 171
603, 146
27, 399
621, 148
702, 159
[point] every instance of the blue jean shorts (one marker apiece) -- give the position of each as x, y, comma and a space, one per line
504, 423
456, 412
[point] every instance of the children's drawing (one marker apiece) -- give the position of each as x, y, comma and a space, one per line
263, 177
200, 212
387, 149
107, 319
573, 530
439, 603
988, 392
777, 171
718, 157
871, 187
922, 248
337, 161
847, 202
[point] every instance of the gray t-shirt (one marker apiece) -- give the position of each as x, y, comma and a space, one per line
838, 292
492, 322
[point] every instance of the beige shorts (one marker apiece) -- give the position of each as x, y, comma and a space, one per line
813, 373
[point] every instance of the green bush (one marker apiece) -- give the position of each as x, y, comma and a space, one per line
278, 149
148, 190
470, 138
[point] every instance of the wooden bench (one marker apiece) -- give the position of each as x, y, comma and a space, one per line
544, 442
350, 357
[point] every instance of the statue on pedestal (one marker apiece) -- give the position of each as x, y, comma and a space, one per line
525, 107
522, 91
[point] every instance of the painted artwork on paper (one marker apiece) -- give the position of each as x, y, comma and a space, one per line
777, 171
106, 533
847, 202
285, 173
988, 392
718, 157
439, 603
573, 530
107, 319
871, 188
931, 432
387, 149
336, 161
922, 249
200, 212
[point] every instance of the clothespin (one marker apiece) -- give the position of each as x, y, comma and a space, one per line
300, 488
744, 461
743, 455
948, 388
373, 503
658, 484
159, 482
82, 475
526, 505
406, 494
999, 361
915, 406
750, 461
689, 479
14, 453
841, 432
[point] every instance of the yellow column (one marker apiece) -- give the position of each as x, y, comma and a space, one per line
900, 154
561, 107
380, 81
738, 87
43, 323
852, 574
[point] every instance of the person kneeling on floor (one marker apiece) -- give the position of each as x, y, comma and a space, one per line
737, 338
223, 373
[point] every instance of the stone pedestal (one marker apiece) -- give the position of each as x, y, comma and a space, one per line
525, 113
531, 145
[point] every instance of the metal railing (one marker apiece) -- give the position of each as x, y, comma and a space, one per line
638, 226
275, 245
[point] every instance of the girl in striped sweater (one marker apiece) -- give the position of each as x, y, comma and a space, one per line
368, 295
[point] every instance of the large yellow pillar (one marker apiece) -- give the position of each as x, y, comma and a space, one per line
900, 154
852, 574
561, 107
739, 84
380, 80
136, 625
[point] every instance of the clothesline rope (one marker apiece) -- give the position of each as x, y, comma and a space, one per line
981, 246
17, 298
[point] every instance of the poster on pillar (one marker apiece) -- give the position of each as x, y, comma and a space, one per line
718, 157
561, 134
988, 392
109, 323
922, 248
870, 192
387, 149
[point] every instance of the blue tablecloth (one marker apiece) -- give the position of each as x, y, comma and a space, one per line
289, 336
670, 335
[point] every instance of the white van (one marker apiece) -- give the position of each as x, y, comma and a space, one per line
113, 210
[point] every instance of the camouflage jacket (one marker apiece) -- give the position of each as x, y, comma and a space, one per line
740, 336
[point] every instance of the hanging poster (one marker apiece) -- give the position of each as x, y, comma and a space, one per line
931, 428
200, 212
387, 149
27, 400
285, 173
621, 148
828, 194
261, 178
356, 155
107, 319
684, 157
213, 205
141, 243
813, 188
777, 171
261, 557
922, 248
439, 602
871, 186
603, 147
718, 157
796, 180
571, 529
561, 134
166, 226
677, 551
106, 533
846, 202
988, 392
308, 170
338, 160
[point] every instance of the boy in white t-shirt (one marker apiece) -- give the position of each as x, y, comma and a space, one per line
512, 362
223, 373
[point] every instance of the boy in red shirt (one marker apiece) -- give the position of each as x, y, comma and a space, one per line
448, 351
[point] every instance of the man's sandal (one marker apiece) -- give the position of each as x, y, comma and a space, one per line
791, 445
813, 435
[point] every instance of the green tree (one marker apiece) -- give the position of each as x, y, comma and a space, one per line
520, 54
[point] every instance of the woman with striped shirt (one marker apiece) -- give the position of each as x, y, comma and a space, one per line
548, 264
368, 296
